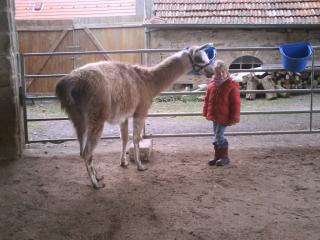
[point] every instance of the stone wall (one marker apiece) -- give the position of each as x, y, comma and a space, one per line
224, 38
10, 124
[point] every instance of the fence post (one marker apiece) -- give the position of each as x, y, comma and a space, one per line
23, 98
311, 86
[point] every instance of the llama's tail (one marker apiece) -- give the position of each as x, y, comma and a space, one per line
65, 89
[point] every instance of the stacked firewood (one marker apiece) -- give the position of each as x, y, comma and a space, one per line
291, 80
277, 80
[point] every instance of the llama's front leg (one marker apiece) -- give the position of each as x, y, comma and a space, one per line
124, 137
137, 128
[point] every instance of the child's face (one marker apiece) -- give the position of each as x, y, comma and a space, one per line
220, 74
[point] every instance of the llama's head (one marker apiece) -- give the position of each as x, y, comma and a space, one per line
201, 64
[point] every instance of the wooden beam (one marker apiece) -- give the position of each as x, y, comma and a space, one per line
54, 46
96, 42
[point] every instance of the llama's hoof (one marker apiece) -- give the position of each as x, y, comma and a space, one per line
124, 164
99, 178
98, 186
142, 168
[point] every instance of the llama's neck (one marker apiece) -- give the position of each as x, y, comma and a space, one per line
169, 70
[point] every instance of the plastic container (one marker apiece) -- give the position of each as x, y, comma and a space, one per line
295, 56
211, 53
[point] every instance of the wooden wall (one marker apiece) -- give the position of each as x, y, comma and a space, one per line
86, 39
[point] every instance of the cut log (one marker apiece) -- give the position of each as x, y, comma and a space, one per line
279, 80
268, 84
252, 84
282, 94
145, 150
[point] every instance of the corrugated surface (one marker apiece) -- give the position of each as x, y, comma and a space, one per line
68, 9
238, 11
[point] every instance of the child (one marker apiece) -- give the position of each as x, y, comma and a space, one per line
222, 106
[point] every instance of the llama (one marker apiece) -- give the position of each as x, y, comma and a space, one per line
112, 92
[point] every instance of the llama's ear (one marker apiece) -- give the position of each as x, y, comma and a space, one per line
207, 45
190, 50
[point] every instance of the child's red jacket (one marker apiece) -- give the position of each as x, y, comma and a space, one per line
222, 103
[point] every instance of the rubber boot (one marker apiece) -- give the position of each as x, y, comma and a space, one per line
224, 158
213, 161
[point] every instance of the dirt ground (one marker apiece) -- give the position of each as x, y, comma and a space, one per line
271, 190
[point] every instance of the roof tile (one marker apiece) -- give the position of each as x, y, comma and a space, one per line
238, 11
68, 9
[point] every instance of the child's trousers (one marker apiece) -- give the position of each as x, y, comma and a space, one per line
218, 137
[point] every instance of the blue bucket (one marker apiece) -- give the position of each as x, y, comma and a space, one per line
211, 53
295, 56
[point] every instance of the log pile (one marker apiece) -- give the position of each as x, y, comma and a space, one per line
277, 80
291, 80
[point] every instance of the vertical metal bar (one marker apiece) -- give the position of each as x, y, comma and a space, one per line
311, 96
144, 124
23, 98
73, 44
145, 59
144, 130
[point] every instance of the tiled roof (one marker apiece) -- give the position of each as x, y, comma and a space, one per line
68, 9
237, 11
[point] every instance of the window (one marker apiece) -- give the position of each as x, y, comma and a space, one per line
245, 62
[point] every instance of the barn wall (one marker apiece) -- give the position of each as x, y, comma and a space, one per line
66, 36
10, 126
222, 38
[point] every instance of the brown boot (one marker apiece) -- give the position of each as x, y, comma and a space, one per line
224, 158
212, 162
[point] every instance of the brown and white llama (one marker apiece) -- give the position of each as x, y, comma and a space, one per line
114, 91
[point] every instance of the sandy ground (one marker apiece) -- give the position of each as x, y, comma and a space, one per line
270, 191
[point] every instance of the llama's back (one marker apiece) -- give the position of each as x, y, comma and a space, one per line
124, 88
108, 90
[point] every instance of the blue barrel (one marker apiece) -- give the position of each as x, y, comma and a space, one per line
295, 56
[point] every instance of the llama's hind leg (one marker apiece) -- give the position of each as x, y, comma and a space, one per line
124, 137
93, 136
79, 121
138, 123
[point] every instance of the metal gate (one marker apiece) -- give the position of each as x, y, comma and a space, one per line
310, 111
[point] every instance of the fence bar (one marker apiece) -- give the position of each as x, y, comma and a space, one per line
231, 70
149, 51
231, 134
242, 113
41, 98
61, 140
47, 119
188, 114
56, 75
186, 135
100, 52
246, 91
202, 92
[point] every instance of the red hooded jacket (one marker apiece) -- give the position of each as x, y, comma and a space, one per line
222, 103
